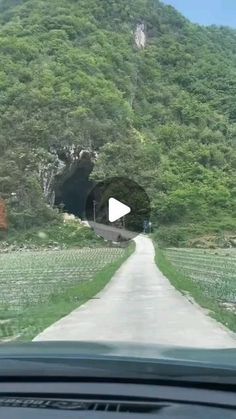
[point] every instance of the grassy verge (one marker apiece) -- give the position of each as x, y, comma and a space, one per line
36, 318
60, 235
187, 286
217, 232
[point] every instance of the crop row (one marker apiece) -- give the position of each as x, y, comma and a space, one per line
30, 278
213, 272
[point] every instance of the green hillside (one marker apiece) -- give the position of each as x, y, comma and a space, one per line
164, 115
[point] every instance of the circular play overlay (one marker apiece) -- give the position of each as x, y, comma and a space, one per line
117, 209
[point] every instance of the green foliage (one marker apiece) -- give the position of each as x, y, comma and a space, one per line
56, 235
164, 116
213, 230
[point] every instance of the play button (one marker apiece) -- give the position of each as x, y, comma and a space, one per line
117, 210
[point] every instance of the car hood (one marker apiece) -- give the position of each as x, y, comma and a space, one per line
76, 349
85, 360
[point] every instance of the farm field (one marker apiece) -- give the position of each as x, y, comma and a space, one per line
209, 276
38, 288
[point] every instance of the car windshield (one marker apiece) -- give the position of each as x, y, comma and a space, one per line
118, 172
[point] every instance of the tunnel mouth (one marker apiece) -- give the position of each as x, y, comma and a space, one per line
74, 195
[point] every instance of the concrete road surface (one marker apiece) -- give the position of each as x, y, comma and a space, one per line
140, 305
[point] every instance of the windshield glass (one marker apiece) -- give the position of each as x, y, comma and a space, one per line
117, 172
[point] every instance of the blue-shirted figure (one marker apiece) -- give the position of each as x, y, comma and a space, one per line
145, 226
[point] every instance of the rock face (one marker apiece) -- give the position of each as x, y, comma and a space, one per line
59, 165
140, 36
48, 169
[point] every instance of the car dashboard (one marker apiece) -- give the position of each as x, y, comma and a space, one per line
74, 400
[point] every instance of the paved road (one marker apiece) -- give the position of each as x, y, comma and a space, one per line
140, 305
109, 232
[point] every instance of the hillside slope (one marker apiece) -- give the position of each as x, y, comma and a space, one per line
165, 115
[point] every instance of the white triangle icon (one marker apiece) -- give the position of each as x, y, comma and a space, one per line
117, 209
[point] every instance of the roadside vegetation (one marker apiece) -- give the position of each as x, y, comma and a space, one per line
39, 288
206, 276
209, 234
56, 236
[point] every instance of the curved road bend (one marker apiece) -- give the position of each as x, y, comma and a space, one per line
140, 305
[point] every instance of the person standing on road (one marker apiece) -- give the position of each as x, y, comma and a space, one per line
145, 226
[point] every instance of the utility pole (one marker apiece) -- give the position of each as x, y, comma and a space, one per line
123, 222
94, 210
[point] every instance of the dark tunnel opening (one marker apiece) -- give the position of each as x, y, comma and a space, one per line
72, 193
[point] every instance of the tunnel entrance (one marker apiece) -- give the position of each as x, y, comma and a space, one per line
72, 192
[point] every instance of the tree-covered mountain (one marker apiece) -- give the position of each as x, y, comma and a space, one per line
164, 115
